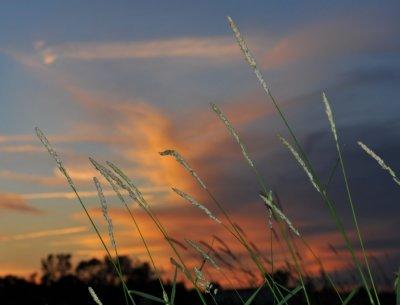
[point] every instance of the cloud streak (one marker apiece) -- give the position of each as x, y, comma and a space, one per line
45, 233
20, 149
16, 203
210, 48
347, 35
150, 191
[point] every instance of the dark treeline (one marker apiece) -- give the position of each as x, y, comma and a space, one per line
61, 283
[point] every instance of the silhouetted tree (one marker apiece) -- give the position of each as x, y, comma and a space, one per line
282, 277
55, 267
87, 271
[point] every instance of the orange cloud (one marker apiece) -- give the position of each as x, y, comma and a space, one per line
45, 233
29, 178
15, 138
14, 202
148, 191
137, 131
79, 174
20, 149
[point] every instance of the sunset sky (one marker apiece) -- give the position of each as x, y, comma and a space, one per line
123, 80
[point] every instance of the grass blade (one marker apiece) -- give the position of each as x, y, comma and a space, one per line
173, 291
233, 132
290, 295
147, 296
329, 114
180, 160
252, 297
350, 296
64, 172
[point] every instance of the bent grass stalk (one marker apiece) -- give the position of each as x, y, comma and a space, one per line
260, 180
334, 214
206, 256
136, 195
104, 209
233, 228
62, 169
217, 255
121, 198
327, 200
180, 160
107, 217
331, 120
380, 161
196, 204
278, 212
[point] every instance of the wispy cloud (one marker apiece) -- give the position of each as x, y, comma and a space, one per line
330, 38
78, 173
29, 178
15, 138
85, 194
20, 149
45, 233
211, 48
21, 142
16, 203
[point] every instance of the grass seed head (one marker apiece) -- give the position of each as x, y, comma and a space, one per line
202, 253
329, 114
94, 296
280, 214
181, 161
301, 162
201, 280
233, 132
55, 156
380, 161
196, 204
247, 54
104, 209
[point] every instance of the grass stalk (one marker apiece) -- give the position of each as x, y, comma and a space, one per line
107, 217
137, 227
232, 228
64, 172
348, 192
266, 196
250, 59
136, 195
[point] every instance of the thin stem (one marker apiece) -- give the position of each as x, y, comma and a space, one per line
326, 199
348, 192
121, 198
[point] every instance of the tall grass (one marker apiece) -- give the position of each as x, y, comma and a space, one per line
124, 186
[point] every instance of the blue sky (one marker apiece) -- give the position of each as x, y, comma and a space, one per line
124, 80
